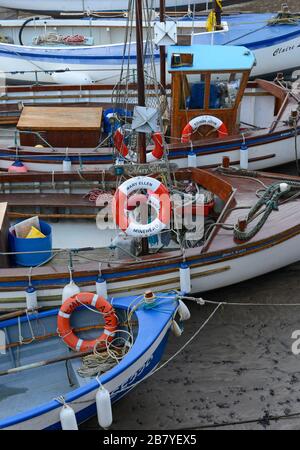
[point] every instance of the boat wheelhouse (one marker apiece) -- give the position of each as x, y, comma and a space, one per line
210, 81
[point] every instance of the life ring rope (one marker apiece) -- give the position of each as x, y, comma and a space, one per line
198, 121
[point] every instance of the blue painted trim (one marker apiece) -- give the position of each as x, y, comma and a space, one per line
110, 276
173, 153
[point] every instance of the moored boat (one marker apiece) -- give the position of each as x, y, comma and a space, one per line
57, 8
219, 255
259, 118
63, 51
44, 382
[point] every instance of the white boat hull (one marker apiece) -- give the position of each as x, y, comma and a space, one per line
261, 156
68, 6
102, 63
205, 278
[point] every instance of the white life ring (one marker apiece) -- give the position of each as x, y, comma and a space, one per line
196, 122
156, 154
157, 196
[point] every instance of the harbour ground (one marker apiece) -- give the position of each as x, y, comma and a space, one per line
239, 372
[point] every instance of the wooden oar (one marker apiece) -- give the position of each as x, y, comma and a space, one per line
47, 362
14, 314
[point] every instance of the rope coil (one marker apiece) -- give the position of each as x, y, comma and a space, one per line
270, 199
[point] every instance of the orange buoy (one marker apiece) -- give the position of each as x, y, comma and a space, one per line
196, 122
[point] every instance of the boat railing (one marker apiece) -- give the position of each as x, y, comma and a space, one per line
17, 134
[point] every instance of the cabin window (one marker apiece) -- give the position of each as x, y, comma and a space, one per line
182, 60
224, 88
209, 91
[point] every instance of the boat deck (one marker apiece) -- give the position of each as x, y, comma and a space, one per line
17, 392
279, 221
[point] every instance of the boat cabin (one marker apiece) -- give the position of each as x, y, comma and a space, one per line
207, 80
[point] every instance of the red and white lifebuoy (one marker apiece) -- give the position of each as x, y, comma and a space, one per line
157, 196
195, 123
66, 332
152, 156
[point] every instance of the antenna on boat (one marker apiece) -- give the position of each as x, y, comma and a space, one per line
141, 137
162, 48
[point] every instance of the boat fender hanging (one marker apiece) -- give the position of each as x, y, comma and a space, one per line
192, 159
101, 287
185, 278
70, 290
158, 198
198, 121
183, 311
155, 155
17, 167
284, 187
67, 164
104, 409
176, 329
65, 330
244, 156
73, 78
68, 418
31, 298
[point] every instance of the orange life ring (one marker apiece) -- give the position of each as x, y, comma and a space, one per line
156, 154
196, 122
158, 198
66, 332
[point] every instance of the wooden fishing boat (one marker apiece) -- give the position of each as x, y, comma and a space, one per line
260, 117
37, 379
91, 50
223, 255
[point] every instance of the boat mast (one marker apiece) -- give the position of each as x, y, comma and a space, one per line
141, 137
162, 48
